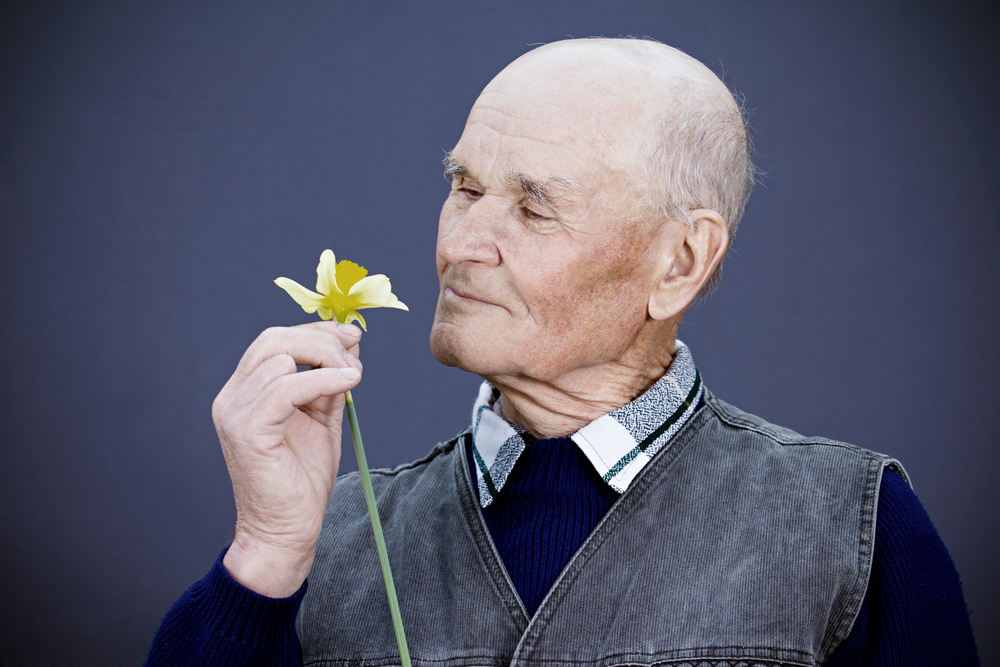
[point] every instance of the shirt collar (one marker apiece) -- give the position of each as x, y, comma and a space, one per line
618, 445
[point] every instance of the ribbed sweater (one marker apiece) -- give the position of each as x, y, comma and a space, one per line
913, 613
551, 502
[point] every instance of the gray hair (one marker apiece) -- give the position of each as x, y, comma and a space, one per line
700, 157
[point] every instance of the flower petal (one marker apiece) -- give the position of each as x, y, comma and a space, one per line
393, 302
306, 298
355, 316
325, 314
326, 274
372, 291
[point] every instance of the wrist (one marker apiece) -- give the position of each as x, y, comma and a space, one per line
270, 570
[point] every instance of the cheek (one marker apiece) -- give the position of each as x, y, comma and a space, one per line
633, 302
575, 299
627, 270
615, 288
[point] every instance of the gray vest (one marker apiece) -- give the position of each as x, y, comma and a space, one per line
740, 543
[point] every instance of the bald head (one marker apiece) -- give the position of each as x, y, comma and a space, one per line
657, 116
637, 72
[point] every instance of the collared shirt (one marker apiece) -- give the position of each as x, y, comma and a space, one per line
618, 444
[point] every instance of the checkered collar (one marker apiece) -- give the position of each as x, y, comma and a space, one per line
618, 445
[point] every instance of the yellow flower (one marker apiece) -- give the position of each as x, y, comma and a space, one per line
344, 289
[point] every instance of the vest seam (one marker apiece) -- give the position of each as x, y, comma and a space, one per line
392, 660
731, 659
440, 449
788, 657
482, 540
735, 421
867, 523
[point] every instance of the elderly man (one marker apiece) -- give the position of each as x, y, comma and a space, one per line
604, 507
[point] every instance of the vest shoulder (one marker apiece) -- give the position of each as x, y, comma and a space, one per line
437, 456
759, 428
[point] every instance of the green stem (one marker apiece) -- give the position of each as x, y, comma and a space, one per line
383, 557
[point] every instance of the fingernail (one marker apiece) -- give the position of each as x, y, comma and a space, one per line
352, 361
350, 373
350, 330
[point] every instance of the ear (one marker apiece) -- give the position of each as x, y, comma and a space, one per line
688, 257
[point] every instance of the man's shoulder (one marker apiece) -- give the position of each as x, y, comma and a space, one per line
437, 465
749, 428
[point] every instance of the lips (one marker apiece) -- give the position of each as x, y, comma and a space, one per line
456, 287
470, 286
462, 294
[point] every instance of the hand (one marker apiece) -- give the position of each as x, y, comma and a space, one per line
280, 433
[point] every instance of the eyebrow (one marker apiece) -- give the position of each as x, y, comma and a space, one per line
543, 192
453, 167
547, 192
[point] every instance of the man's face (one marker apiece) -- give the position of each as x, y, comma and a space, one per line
540, 250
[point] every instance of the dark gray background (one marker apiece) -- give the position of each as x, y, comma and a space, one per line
161, 163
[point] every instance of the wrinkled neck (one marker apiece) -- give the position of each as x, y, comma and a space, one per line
556, 408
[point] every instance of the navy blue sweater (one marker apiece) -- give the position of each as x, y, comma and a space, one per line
913, 612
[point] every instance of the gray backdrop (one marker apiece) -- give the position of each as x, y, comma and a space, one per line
162, 162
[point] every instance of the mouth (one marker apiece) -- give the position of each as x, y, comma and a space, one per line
462, 296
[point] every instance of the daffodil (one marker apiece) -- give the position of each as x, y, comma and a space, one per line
344, 289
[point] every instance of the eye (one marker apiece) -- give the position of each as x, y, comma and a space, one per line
540, 223
535, 211
532, 215
464, 188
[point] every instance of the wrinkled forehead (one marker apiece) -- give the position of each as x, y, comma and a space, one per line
556, 118
507, 142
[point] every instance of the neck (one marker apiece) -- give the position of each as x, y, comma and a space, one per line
556, 408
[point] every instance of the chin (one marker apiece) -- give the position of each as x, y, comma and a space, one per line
456, 346
446, 344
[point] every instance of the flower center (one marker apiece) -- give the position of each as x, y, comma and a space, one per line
349, 273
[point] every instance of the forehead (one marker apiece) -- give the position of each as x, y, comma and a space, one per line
568, 108
508, 135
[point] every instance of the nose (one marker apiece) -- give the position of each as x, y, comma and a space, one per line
468, 233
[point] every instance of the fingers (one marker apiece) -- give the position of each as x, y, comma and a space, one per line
319, 344
273, 392
286, 393
277, 352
